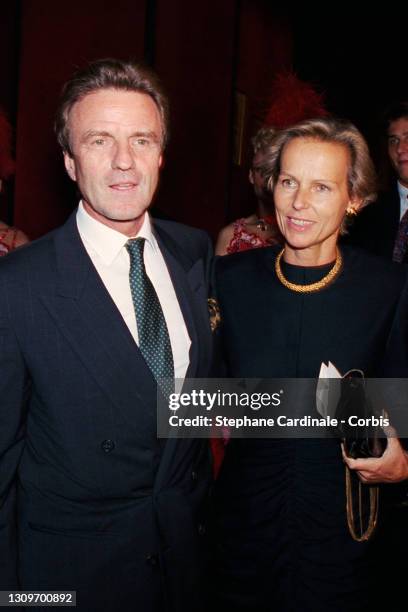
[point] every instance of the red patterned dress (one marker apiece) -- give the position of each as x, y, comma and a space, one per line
8, 239
244, 239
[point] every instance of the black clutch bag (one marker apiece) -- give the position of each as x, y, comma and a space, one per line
358, 421
361, 439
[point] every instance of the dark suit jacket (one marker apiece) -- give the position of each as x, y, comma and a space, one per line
90, 500
375, 229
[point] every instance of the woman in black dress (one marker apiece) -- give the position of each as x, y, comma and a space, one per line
283, 542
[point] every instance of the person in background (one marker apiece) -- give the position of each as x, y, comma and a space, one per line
293, 100
259, 229
383, 227
10, 237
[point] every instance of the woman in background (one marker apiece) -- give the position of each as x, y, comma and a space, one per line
10, 237
293, 100
260, 228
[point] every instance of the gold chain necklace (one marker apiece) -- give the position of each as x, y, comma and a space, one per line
313, 287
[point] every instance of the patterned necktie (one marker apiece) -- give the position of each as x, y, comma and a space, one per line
401, 241
154, 340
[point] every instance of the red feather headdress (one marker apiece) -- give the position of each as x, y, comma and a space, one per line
293, 100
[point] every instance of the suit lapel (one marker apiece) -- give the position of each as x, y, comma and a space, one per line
188, 281
393, 215
383, 229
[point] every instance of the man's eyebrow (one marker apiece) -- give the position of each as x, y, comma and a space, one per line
394, 135
146, 134
92, 133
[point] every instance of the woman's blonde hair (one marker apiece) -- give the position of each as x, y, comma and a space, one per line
362, 180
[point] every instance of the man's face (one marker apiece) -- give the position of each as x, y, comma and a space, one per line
115, 138
398, 148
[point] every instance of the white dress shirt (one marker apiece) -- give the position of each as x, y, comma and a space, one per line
403, 194
107, 250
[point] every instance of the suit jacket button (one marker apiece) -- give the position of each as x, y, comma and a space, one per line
107, 446
152, 559
201, 529
194, 475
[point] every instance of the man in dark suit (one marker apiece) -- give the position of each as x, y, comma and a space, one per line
92, 317
380, 227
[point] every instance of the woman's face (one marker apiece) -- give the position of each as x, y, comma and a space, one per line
311, 196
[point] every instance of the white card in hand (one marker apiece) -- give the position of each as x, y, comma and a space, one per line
327, 392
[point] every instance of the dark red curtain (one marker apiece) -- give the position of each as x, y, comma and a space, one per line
204, 52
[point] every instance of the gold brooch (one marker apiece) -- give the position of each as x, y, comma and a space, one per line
214, 312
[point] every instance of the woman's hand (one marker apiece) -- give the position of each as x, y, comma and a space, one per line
392, 466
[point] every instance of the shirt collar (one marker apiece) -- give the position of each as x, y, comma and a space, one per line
104, 240
403, 191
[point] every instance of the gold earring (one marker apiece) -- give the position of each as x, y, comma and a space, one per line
351, 211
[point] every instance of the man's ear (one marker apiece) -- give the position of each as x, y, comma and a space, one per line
70, 165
